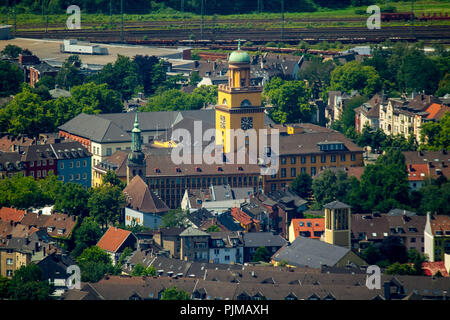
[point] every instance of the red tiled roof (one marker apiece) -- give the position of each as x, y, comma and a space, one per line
431, 268
433, 110
11, 214
242, 217
418, 172
113, 239
440, 223
301, 225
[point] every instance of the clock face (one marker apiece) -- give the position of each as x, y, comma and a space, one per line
247, 123
222, 122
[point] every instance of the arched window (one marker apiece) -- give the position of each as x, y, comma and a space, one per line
224, 102
246, 103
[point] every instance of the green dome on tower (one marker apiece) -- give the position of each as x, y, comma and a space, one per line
239, 56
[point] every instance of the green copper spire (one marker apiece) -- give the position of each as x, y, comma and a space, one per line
136, 136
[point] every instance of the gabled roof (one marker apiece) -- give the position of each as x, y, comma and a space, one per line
310, 252
113, 239
242, 217
142, 199
193, 232
11, 214
418, 172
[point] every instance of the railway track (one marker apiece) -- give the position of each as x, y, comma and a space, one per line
290, 34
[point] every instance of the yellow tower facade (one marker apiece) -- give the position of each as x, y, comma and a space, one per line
239, 103
338, 224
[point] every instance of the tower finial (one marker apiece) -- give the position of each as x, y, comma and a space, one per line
239, 44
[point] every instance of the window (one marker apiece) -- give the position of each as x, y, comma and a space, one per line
303, 160
31, 164
61, 165
313, 171
333, 158
283, 160
84, 163
71, 164
71, 177
342, 157
303, 170
293, 172
9, 261
323, 158
413, 240
108, 151
32, 173
44, 173
44, 162
9, 273
78, 164
227, 258
39, 174
283, 172
353, 157
85, 176
50, 162
273, 187
313, 159
293, 160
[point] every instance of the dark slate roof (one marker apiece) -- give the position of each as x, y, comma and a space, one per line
336, 205
263, 239
54, 266
226, 220
95, 128
401, 212
310, 252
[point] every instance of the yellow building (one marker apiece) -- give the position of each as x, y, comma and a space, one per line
239, 103
11, 260
337, 224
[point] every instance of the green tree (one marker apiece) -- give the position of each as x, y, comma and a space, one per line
330, 186
72, 199
400, 269
26, 114
96, 98
12, 51
213, 228
112, 179
21, 192
444, 86
290, 100
28, 284
70, 75
208, 93
4, 287
174, 218
94, 264
435, 198
302, 185
195, 79
121, 76
140, 270
86, 235
105, 204
174, 294
436, 135
356, 76
174, 99
261, 254
151, 72
10, 79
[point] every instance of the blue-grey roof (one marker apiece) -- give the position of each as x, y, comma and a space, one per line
310, 252
336, 205
263, 239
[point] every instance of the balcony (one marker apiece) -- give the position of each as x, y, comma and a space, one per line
227, 88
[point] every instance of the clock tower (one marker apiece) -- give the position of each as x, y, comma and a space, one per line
239, 103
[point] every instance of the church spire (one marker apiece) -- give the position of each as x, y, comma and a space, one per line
136, 136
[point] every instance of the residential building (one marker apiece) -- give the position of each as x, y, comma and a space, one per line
74, 163
169, 239
226, 247
437, 237
437, 165
11, 164
406, 116
307, 228
38, 71
144, 207
255, 240
11, 214
418, 174
247, 222
374, 228
57, 225
54, 268
368, 113
115, 241
194, 245
337, 224
311, 253
40, 161
18, 252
